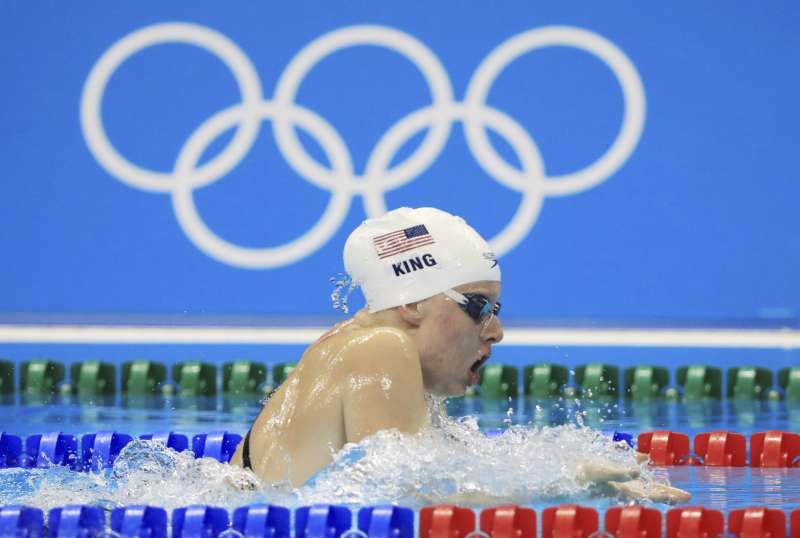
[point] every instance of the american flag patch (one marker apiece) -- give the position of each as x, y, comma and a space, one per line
402, 240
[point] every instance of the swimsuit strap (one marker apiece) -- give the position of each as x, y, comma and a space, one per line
246, 452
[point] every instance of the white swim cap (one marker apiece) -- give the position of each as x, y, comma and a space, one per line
408, 255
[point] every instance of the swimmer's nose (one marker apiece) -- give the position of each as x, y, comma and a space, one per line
494, 331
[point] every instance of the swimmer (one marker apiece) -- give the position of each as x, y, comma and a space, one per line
431, 285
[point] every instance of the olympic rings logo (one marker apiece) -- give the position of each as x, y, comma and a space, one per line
340, 178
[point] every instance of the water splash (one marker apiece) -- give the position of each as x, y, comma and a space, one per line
454, 460
450, 459
145, 472
343, 286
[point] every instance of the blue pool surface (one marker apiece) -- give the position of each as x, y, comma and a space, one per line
720, 488
191, 415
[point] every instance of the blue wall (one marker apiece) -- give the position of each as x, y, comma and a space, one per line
695, 222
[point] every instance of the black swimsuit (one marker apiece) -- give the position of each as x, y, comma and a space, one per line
246, 452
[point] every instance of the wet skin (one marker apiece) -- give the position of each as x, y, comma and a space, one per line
371, 373
367, 374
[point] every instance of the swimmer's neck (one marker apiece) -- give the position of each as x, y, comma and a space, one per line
385, 318
363, 319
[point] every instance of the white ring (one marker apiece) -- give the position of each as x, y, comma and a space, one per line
620, 65
379, 175
224, 251
400, 42
529, 182
191, 34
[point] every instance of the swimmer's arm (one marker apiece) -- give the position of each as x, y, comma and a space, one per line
383, 388
626, 482
639, 490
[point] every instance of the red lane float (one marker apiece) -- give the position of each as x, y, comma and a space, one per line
721, 449
694, 522
794, 524
509, 522
446, 521
665, 447
633, 522
774, 449
757, 523
569, 521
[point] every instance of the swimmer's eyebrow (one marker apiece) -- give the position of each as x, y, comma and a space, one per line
482, 291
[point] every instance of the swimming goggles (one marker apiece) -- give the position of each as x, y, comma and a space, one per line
475, 305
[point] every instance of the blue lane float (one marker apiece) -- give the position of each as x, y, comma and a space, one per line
100, 450
21, 521
176, 441
198, 521
75, 521
262, 520
217, 445
54, 448
10, 450
623, 436
136, 521
386, 521
321, 521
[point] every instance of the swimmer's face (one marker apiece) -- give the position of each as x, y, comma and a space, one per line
453, 345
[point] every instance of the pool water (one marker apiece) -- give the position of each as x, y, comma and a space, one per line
529, 455
197, 414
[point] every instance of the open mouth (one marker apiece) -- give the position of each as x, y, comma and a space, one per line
478, 363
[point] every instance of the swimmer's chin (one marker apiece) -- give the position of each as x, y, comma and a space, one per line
449, 392
454, 388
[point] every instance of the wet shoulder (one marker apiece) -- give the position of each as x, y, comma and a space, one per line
371, 347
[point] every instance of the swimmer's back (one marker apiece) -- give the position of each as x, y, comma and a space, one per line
348, 385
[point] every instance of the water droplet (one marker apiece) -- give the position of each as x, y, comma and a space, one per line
343, 286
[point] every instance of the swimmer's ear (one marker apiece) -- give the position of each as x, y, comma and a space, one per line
411, 313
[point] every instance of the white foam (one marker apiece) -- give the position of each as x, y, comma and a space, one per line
455, 461
451, 459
